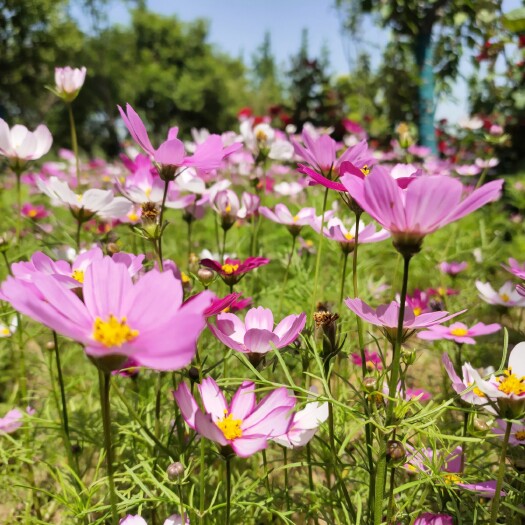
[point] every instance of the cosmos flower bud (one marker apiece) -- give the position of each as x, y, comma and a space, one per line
326, 331
395, 451
408, 356
206, 276
113, 248
175, 471
369, 384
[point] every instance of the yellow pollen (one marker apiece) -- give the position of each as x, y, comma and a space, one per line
365, 170
78, 275
504, 297
113, 332
309, 243
417, 311
296, 218
32, 213
349, 236
5, 331
228, 208
459, 332
184, 277
520, 435
477, 391
229, 268
133, 217
261, 136
511, 383
411, 468
231, 428
452, 478
147, 191
442, 291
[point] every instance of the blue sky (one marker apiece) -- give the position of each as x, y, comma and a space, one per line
238, 27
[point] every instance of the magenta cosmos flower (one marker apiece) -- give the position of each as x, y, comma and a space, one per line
243, 425
256, 334
459, 332
34, 212
434, 519
118, 319
372, 360
233, 270
386, 317
425, 205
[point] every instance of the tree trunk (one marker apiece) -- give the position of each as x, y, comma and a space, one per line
426, 102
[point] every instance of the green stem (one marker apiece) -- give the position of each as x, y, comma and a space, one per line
482, 177
65, 417
319, 250
182, 515
286, 493
105, 386
223, 248
201, 482
343, 277
18, 205
77, 235
381, 470
74, 142
190, 224
391, 496
266, 475
285, 280
228, 489
501, 473
161, 228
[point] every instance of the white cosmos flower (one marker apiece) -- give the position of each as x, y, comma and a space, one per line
94, 201
20, 145
505, 296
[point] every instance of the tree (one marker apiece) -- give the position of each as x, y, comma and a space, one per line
436, 32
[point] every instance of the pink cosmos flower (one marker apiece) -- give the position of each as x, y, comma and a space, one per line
174, 519
386, 317
233, 270
207, 156
418, 301
505, 296
256, 334
304, 425
516, 268
34, 212
452, 268
282, 215
407, 393
71, 275
434, 519
306, 246
425, 205
449, 467
459, 332
506, 392
372, 359
249, 205
517, 432
473, 396
231, 303
243, 425
337, 231
118, 318
468, 170
20, 145
11, 422
68, 82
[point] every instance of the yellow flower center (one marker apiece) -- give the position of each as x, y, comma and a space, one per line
261, 136
32, 213
147, 192
459, 332
349, 236
510, 383
184, 277
451, 478
442, 291
5, 331
231, 428
504, 297
365, 170
520, 435
228, 208
113, 332
417, 311
229, 268
295, 218
477, 391
78, 275
309, 243
411, 468
133, 217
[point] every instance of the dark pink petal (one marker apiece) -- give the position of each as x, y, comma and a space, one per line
320, 179
171, 153
136, 128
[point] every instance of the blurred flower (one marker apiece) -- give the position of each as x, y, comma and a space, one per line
452, 268
68, 82
459, 332
505, 296
20, 145
372, 360
34, 212
117, 318
243, 425
12, 421
434, 519
256, 334
174, 519
418, 301
306, 246
7, 330
250, 205
282, 215
516, 268
517, 432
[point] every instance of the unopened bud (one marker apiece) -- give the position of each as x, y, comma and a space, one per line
369, 383
113, 248
480, 425
395, 451
206, 276
175, 471
193, 374
408, 356
50, 345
